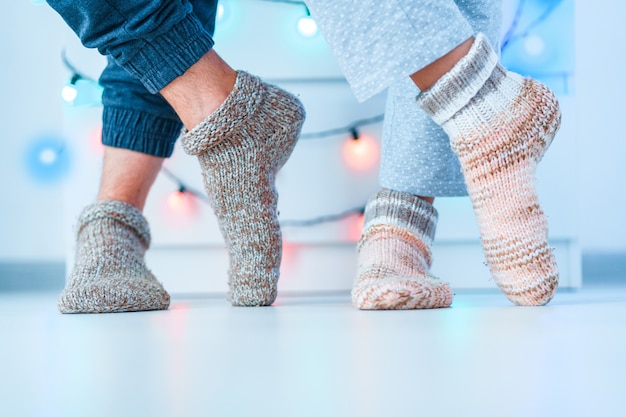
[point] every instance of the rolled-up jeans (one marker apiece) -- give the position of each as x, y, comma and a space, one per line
148, 43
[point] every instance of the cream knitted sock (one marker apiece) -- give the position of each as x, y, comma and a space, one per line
109, 273
500, 124
395, 256
241, 147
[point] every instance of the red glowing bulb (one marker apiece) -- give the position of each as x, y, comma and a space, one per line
95, 139
355, 228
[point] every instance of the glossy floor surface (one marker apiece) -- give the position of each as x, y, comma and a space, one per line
318, 356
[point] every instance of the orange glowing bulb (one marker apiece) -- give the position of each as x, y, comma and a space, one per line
176, 201
361, 154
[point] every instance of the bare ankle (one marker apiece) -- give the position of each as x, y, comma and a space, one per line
127, 176
430, 74
201, 89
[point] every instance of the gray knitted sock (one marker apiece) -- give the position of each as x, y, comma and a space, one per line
241, 147
395, 256
109, 273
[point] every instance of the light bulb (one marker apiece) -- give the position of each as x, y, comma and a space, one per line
47, 156
220, 12
95, 140
176, 201
47, 159
69, 93
307, 26
534, 45
355, 228
361, 154
180, 209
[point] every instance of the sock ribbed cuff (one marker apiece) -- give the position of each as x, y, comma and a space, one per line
459, 85
239, 106
117, 211
404, 210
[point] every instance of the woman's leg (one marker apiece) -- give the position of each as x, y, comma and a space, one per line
417, 161
500, 125
395, 255
467, 91
378, 43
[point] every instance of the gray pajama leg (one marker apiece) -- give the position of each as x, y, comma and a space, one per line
417, 157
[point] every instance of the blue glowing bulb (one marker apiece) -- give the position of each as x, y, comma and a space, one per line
69, 93
307, 26
534, 45
47, 159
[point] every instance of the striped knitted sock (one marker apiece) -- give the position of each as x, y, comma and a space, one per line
241, 147
109, 274
500, 125
395, 256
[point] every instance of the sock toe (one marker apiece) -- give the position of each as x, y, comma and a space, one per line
109, 273
402, 293
114, 295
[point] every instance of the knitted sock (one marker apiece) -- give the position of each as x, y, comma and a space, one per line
109, 273
241, 147
500, 125
395, 256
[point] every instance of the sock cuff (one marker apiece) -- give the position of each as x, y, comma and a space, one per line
118, 211
404, 210
459, 85
240, 104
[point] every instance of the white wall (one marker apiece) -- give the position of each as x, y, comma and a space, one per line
31, 74
601, 95
31, 41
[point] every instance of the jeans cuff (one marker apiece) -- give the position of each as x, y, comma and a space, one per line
169, 55
139, 131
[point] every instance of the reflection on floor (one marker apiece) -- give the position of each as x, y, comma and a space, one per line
317, 356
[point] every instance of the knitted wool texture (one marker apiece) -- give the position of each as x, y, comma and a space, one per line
109, 274
241, 147
500, 124
394, 255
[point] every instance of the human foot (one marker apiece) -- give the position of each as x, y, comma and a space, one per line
109, 273
395, 256
241, 147
500, 125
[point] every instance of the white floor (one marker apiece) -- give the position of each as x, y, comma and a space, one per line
317, 356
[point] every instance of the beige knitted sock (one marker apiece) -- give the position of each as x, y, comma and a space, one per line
241, 147
500, 124
395, 256
109, 273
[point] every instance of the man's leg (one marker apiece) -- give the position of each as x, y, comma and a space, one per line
139, 131
109, 274
240, 145
128, 176
246, 129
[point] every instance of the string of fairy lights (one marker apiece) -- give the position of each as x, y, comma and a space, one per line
306, 27
361, 150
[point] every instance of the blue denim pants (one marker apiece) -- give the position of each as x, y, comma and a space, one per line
148, 43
